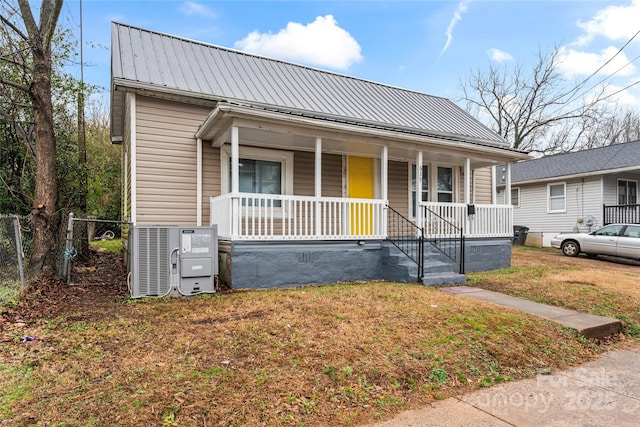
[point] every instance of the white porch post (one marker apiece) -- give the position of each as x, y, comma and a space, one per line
467, 192
235, 182
199, 182
418, 189
318, 185
384, 186
467, 181
507, 185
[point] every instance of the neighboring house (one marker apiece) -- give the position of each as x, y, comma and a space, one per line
578, 191
308, 174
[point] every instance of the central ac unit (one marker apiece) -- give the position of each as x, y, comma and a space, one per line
168, 259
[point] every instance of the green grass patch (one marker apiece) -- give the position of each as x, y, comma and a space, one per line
9, 293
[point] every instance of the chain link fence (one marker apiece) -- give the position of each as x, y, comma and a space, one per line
92, 247
15, 242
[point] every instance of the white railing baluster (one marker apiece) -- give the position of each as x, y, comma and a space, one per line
488, 221
248, 216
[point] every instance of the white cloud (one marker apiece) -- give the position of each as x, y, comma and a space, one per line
611, 26
321, 42
621, 97
574, 63
457, 16
190, 8
612, 22
499, 55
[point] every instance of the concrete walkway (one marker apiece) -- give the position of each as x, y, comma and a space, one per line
588, 325
605, 392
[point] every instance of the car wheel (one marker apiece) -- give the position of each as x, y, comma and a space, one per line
570, 248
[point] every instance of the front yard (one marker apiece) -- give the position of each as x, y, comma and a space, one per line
344, 354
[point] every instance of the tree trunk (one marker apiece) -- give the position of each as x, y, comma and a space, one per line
46, 181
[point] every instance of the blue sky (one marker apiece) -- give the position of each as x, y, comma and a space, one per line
428, 46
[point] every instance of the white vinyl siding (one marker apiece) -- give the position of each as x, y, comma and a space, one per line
582, 200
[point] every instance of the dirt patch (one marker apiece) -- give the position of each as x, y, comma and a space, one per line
99, 282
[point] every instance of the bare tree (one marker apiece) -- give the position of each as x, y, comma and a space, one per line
26, 49
533, 110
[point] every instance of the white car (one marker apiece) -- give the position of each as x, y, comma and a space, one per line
622, 240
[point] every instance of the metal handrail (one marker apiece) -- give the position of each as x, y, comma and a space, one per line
447, 243
407, 237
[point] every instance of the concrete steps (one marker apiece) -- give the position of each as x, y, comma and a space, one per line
438, 269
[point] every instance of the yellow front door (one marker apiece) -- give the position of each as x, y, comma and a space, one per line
360, 185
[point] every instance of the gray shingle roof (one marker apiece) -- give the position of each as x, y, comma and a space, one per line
602, 159
167, 63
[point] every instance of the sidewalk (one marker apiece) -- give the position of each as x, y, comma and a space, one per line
588, 325
604, 392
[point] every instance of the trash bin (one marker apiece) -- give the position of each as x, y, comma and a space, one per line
520, 234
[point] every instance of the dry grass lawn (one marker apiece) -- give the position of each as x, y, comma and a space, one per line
344, 354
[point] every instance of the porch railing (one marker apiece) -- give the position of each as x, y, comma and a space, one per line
615, 214
249, 216
474, 220
406, 236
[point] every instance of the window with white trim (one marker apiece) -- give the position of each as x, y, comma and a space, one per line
261, 170
556, 196
424, 191
445, 184
627, 192
515, 197
438, 184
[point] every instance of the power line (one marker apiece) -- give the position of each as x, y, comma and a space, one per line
614, 73
603, 98
603, 65
574, 92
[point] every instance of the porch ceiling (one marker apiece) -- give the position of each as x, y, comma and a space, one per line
295, 133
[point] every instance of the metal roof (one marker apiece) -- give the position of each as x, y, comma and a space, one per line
166, 63
585, 162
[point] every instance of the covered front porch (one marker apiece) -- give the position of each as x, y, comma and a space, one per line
306, 196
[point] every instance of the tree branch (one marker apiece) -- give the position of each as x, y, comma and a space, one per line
17, 86
27, 18
14, 28
25, 136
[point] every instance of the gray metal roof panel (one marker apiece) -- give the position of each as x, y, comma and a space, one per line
610, 157
167, 61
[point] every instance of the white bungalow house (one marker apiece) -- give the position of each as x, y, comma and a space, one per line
579, 191
309, 175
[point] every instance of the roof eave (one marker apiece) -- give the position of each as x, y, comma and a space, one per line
209, 130
573, 176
